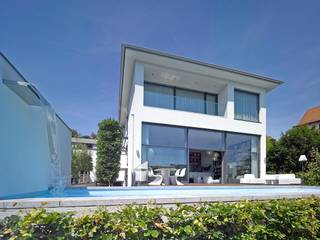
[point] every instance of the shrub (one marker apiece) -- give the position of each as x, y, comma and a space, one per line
276, 219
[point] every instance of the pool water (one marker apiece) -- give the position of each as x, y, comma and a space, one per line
172, 191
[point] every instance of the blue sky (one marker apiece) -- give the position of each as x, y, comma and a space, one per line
71, 49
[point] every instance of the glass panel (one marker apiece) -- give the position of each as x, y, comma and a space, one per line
207, 140
190, 101
211, 105
242, 156
246, 106
158, 96
163, 135
164, 157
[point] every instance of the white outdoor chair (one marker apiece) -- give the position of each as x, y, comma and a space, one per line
158, 178
180, 173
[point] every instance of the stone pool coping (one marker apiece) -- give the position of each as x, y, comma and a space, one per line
81, 204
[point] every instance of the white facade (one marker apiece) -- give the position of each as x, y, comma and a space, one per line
25, 153
142, 65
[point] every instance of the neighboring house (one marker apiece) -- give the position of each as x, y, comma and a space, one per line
311, 118
181, 113
91, 145
35, 143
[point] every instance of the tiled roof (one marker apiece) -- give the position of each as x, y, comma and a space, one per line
310, 116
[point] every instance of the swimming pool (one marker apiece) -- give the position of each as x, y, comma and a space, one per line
181, 191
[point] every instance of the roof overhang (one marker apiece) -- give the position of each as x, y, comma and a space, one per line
131, 54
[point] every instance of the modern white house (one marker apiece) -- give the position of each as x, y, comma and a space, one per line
35, 143
181, 113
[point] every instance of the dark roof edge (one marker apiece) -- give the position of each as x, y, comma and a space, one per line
186, 59
20, 74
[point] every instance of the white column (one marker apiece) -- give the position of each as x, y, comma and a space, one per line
263, 140
134, 121
230, 101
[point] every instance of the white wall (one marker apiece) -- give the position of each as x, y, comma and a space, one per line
140, 113
24, 151
65, 150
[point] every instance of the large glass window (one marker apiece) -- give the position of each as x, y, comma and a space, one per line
181, 99
241, 156
211, 104
159, 135
190, 101
246, 106
205, 140
158, 96
164, 146
164, 157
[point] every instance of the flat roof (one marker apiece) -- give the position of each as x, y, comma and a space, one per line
125, 46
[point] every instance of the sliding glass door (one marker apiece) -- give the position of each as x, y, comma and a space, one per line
204, 153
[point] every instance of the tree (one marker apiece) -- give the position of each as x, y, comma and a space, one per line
283, 154
109, 142
312, 176
276, 155
81, 160
75, 133
298, 141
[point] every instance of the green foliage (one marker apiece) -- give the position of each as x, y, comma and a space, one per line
283, 154
74, 133
312, 175
275, 219
81, 160
109, 142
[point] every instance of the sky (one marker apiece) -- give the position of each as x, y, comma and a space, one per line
70, 49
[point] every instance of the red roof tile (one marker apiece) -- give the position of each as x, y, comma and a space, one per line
310, 116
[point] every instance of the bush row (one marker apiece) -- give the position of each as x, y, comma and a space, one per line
275, 219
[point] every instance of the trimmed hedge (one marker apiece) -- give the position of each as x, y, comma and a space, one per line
276, 219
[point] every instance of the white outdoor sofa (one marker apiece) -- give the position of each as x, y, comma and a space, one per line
283, 179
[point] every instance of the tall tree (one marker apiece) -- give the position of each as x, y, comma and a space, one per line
109, 142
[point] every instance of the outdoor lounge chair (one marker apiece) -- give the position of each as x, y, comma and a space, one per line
180, 173
157, 178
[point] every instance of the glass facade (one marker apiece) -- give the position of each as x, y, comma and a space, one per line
246, 106
206, 140
164, 146
180, 99
158, 96
167, 146
241, 156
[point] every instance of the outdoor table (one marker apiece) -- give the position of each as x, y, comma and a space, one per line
165, 173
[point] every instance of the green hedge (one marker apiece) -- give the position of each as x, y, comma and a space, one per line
276, 219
